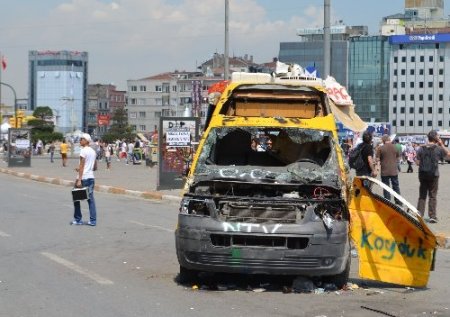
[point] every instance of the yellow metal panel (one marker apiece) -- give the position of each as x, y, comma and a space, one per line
393, 246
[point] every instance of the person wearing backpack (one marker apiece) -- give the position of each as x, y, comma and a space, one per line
427, 158
368, 166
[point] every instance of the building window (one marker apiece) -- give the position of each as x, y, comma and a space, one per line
413, 59
142, 127
430, 97
394, 110
395, 84
440, 123
174, 87
430, 84
402, 123
441, 58
430, 109
411, 123
158, 88
411, 109
402, 97
430, 71
421, 84
395, 72
429, 123
133, 101
421, 97
411, 97
441, 71
394, 97
394, 122
395, 59
421, 71
402, 109
157, 114
143, 88
132, 115
422, 59
441, 97
403, 72
420, 109
411, 71
133, 88
430, 58
141, 114
403, 59
441, 84
411, 84
133, 127
403, 84
441, 110
419, 123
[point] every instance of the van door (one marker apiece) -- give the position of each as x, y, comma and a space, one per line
394, 244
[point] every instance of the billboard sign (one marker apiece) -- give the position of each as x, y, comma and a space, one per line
419, 38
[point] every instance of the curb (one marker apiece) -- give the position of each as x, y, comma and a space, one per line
443, 241
150, 195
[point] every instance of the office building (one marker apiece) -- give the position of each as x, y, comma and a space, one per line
103, 101
58, 79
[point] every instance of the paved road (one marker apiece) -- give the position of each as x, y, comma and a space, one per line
126, 266
142, 178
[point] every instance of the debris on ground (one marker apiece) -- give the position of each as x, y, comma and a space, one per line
302, 284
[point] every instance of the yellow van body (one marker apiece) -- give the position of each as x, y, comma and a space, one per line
289, 207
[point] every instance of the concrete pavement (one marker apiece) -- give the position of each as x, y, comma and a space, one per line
141, 180
135, 180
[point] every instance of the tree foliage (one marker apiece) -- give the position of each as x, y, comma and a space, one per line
41, 127
119, 128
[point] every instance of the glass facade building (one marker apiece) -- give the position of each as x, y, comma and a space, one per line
368, 84
58, 79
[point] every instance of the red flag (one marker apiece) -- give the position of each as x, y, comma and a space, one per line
4, 62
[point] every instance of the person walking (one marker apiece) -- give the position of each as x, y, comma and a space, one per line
410, 158
427, 158
130, 157
108, 156
51, 150
369, 168
63, 148
388, 156
85, 169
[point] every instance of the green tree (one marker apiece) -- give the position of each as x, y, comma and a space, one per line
119, 128
42, 127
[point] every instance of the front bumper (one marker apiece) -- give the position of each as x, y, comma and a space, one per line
206, 244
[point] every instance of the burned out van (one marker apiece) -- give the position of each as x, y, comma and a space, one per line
268, 191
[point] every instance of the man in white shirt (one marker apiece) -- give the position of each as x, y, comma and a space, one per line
85, 178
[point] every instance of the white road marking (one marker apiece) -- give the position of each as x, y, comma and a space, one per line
151, 226
4, 234
72, 266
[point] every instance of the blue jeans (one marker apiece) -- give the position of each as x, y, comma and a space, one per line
89, 183
393, 180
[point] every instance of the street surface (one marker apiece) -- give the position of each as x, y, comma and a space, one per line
126, 266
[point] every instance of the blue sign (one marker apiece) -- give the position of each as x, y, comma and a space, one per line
419, 38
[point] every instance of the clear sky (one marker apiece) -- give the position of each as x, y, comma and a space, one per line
132, 39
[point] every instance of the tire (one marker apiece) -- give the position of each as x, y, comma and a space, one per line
341, 279
187, 275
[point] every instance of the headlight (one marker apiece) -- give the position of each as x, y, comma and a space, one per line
192, 206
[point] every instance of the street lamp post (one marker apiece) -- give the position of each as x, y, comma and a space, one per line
15, 100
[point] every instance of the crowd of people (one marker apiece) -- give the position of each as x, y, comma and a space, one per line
386, 158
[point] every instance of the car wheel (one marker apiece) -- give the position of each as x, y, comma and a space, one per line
187, 275
341, 279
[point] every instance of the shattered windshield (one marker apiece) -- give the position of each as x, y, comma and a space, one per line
268, 154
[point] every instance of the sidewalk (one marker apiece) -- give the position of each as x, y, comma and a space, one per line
135, 180
140, 181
